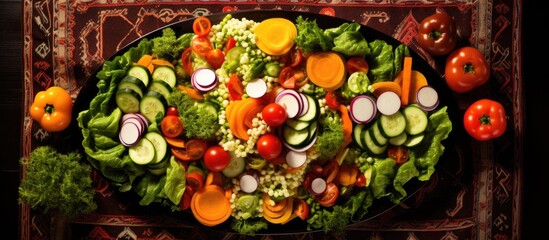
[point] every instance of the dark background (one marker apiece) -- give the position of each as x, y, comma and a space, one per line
535, 135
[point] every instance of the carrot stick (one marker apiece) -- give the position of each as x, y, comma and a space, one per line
347, 124
406, 79
145, 60
193, 93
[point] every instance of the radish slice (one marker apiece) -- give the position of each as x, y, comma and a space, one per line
129, 134
248, 183
256, 88
388, 103
204, 79
363, 109
318, 186
291, 101
296, 159
427, 98
137, 121
306, 104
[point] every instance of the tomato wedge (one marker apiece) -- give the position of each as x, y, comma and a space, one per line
195, 180
398, 153
231, 42
291, 78
187, 61
329, 196
356, 64
330, 171
235, 87
201, 45
171, 126
202, 26
185, 202
333, 100
215, 57
194, 150
301, 208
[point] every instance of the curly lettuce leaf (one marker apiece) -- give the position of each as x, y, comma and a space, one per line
175, 183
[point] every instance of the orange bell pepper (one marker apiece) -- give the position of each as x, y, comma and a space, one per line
52, 109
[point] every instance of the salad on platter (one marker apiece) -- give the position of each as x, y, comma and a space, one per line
255, 124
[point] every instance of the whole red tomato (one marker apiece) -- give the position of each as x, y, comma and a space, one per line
216, 158
485, 119
437, 34
269, 146
274, 114
466, 68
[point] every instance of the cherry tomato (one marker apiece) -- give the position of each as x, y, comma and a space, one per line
195, 180
235, 87
330, 171
437, 34
356, 64
172, 111
186, 60
185, 202
231, 42
333, 100
274, 114
316, 169
202, 26
360, 180
398, 153
286, 78
171, 126
201, 45
308, 179
329, 196
216, 158
466, 68
485, 119
301, 208
269, 146
215, 58
293, 58
194, 150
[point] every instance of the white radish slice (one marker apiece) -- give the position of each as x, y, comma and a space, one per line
318, 186
427, 98
291, 103
129, 134
363, 109
388, 103
256, 88
248, 183
305, 105
137, 121
204, 79
296, 159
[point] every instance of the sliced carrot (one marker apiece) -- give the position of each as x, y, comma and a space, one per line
175, 142
418, 80
275, 36
145, 60
240, 113
277, 207
210, 206
326, 70
347, 124
214, 178
285, 217
406, 79
385, 86
232, 118
161, 62
193, 93
248, 120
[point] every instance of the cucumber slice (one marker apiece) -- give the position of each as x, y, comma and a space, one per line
160, 146
312, 111
161, 87
140, 72
143, 152
294, 137
357, 133
296, 124
358, 82
416, 120
392, 125
127, 100
153, 105
247, 203
376, 135
371, 147
398, 140
414, 140
236, 166
165, 74
134, 84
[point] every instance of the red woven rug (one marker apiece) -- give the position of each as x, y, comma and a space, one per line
477, 196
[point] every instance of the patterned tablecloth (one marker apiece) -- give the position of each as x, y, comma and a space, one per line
476, 195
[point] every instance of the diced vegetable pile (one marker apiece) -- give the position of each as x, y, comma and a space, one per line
257, 123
